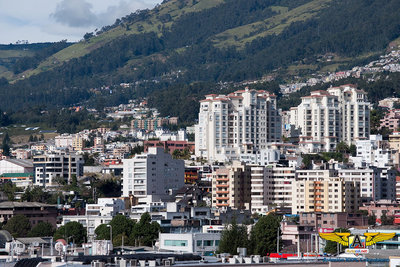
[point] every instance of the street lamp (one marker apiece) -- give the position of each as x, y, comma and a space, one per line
109, 225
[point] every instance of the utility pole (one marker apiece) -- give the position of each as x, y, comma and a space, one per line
277, 242
298, 246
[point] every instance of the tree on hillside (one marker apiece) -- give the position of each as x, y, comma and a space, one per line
42, 229
18, 226
386, 220
102, 232
264, 235
108, 188
35, 194
9, 189
145, 232
233, 237
71, 232
121, 225
6, 145
342, 147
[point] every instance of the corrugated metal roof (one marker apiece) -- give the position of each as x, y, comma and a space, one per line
21, 162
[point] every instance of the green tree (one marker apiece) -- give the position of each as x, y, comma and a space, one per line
145, 232
18, 226
117, 240
108, 188
386, 220
372, 219
71, 232
35, 194
233, 237
6, 145
342, 147
42, 229
9, 189
264, 234
102, 232
121, 225
331, 247
353, 150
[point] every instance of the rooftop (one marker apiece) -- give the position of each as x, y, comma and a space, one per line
14, 204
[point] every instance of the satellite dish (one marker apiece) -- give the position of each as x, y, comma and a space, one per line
59, 246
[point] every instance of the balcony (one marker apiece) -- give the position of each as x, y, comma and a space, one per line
222, 204
222, 198
222, 179
222, 192
223, 185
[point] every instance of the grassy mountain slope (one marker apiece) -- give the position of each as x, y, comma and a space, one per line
242, 35
153, 23
194, 44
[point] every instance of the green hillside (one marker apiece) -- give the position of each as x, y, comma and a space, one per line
185, 48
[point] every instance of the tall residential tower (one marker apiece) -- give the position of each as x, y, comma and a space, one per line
242, 122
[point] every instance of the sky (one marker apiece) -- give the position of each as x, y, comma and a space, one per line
56, 20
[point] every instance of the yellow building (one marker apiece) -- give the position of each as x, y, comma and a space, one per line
77, 143
325, 195
394, 143
231, 187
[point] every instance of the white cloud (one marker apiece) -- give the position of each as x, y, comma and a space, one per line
54, 20
75, 13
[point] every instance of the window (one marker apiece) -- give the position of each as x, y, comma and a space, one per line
176, 243
208, 243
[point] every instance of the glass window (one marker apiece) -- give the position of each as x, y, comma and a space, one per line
199, 243
176, 243
208, 243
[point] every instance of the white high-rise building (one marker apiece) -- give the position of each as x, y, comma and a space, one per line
354, 112
318, 120
280, 180
241, 122
326, 118
152, 176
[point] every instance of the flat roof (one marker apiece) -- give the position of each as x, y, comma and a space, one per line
14, 204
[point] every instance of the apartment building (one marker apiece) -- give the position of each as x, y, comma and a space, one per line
279, 187
152, 176
332, 195
241, 122
259, 194
391, 120
231, 187
394, 144
50, 167
332, 220
318, 119
374, 152
324, 191
150, 124
75, 142
375, 183
36, 212
327, 117
354, 110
